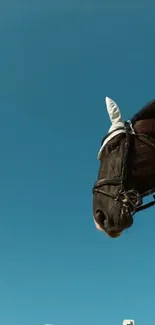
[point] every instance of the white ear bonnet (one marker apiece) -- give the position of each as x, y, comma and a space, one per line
116, 121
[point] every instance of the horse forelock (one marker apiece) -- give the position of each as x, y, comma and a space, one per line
145, 113
144, 159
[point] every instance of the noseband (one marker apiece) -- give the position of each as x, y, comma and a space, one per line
131, 198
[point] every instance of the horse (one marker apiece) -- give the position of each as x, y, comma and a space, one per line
127, 169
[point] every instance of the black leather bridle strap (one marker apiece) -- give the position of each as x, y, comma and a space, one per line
108, 181
145, 206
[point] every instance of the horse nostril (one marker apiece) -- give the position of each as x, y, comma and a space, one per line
100, 217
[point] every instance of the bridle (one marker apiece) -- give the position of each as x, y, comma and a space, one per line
130, 199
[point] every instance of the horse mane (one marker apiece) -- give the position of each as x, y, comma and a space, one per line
145, 113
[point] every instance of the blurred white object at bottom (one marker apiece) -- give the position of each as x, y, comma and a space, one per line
128, 322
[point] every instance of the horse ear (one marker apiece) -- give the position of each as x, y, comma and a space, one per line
114, 112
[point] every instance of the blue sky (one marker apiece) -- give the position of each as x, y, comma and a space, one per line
58, 60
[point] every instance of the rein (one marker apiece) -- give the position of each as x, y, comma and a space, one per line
129, 198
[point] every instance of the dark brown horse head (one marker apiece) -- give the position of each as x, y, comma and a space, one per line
126, 173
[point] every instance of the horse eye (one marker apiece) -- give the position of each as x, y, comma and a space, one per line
112, 147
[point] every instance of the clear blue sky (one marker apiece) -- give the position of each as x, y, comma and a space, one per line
58, 60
